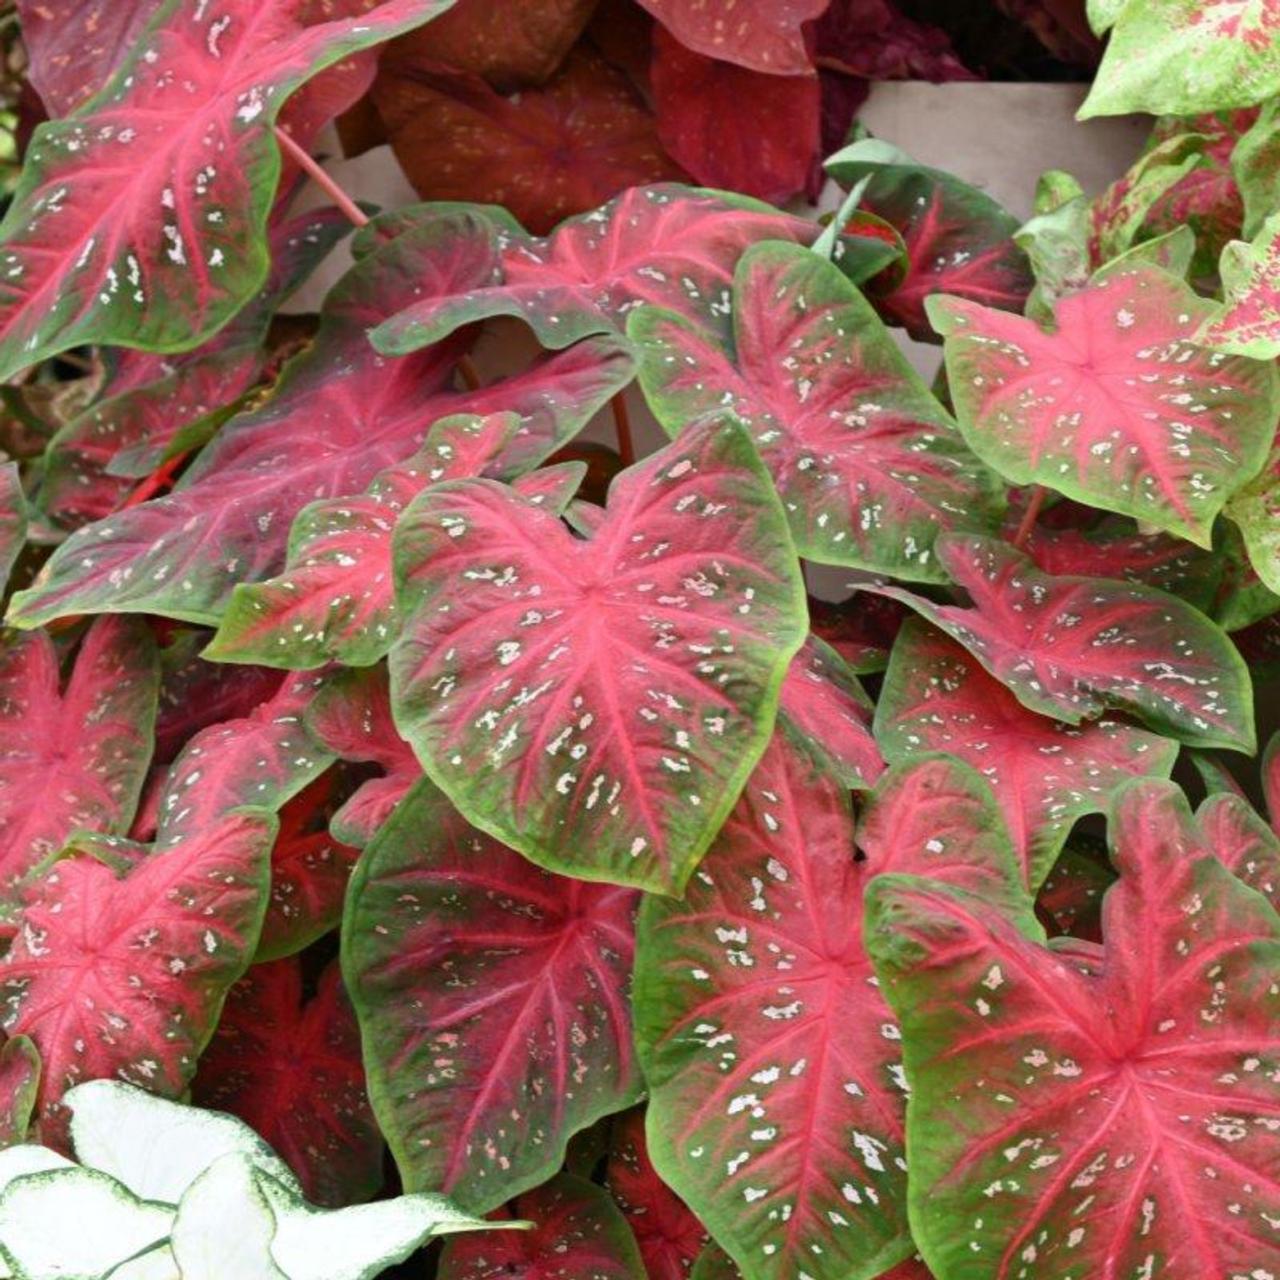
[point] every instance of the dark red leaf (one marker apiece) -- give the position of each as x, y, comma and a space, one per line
544, 153
669, 1236
764, 35
875, 40
290, 1068
733, 127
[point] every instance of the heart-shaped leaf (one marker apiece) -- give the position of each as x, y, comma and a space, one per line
776, 1089
1180, 57
597, 703
351, 716
1116, 407
124, 976
1142, 1090
340, 414
578, 1231
1072, 647
75, 755
663, 245
958, 240
869, 466
937, 697
290, 1068
668, 1235
492, 999
1242, 842
140, 221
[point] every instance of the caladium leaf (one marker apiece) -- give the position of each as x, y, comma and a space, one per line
776, 1090
830, 713
669, 1236
19, 1084
1256, 510
597, 703
578, 1231
663, 245
1116, 407
351, 716
493, 1003
764, 35
733, 127
1074, 890
959, 241
1243, 842
335, 599
1072, 647
153, 407
13, 519
309, 873
1045, 774
290, 1068
255, 761
544, 153
1271, 780
73, 47
99, 247
1248, 323
1140, 1088
340, 415
74, 755
123, 977
868, 464
1181, 57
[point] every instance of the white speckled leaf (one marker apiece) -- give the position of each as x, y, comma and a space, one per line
774, 1066
140, 220
1115, 1118
1045, 774
1117, 407
74, 755
1073, 647
493, 1003
868, 464
598, 703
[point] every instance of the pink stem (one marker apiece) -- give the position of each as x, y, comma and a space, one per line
322, 179
1030, 516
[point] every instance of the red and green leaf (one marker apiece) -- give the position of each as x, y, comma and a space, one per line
1111, 1119
1116, 407
19, 1085
577, 1232
335, 600
776, 1090
340, 414
670, 1238
73, 755
123, 976
351, 716
290, 1068
493, 1003
1045, 774
140, 220
1256, 511
1182, 57
1242, 842
868, 465
663, 245
1074, 647
829, 711
597, 703
13, 519
958, 240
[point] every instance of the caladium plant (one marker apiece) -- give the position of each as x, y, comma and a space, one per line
825, 843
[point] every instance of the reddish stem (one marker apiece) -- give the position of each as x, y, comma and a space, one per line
157, 480
326, 184
1030, 516
470, 375
622, 425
